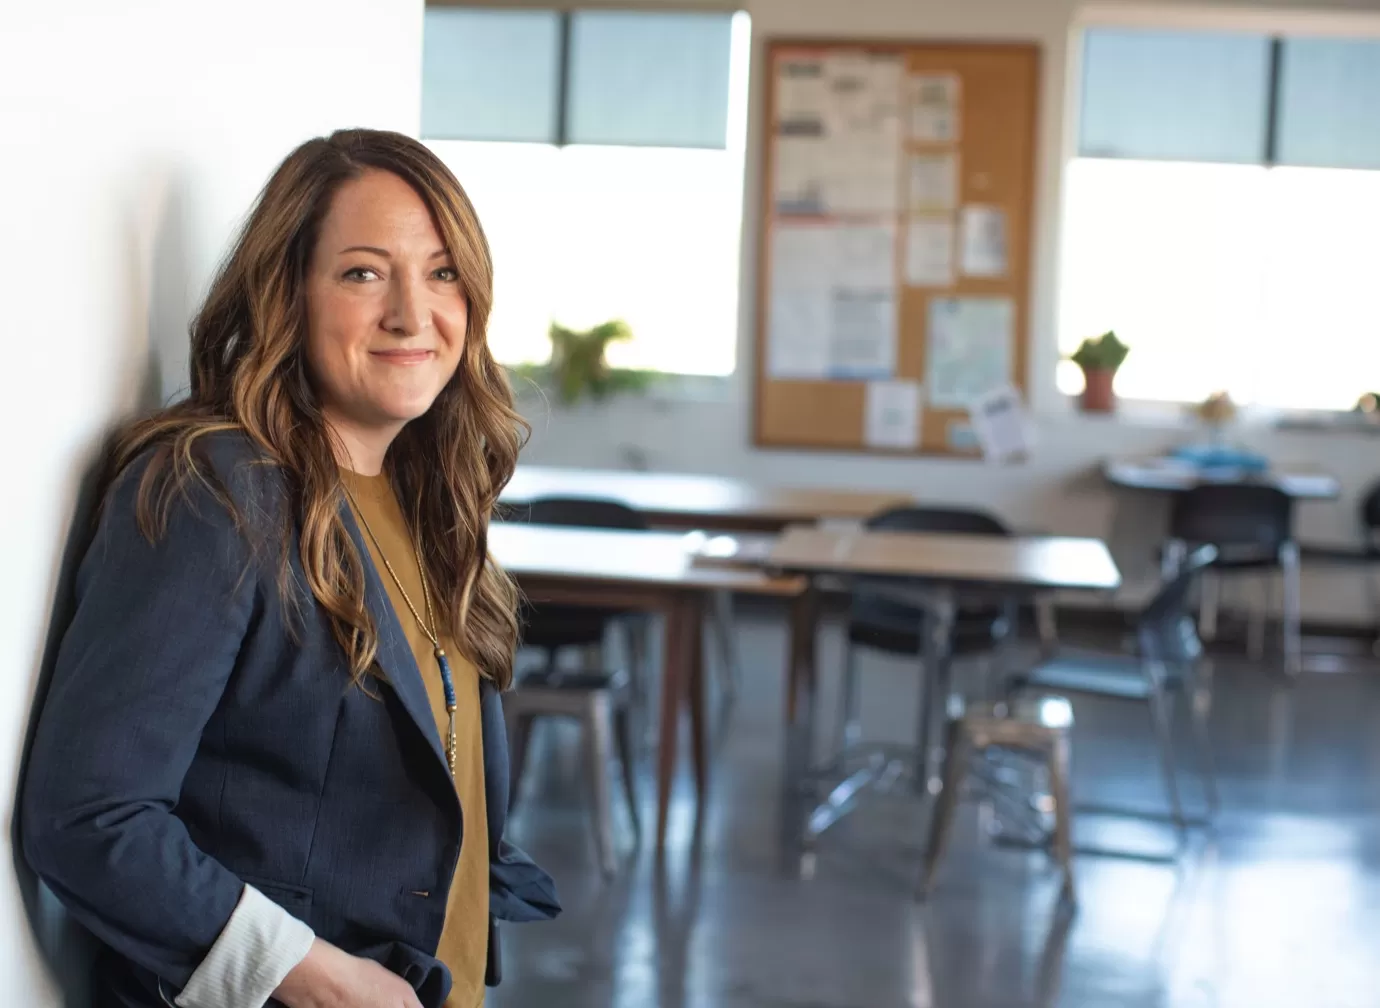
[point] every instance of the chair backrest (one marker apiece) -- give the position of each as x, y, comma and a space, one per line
1165, 629
961, 521
1370, 510
553, 626
1240, 515
588, 512
871, 607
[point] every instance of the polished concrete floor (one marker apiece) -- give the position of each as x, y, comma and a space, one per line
1279, 906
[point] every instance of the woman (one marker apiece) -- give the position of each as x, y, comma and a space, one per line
272, 761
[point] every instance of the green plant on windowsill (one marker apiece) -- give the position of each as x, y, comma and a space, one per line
578, 367
1102, 353
1099, 358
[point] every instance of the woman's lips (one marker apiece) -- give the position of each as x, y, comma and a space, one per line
402, 356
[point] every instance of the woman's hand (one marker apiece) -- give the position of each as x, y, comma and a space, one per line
330, 978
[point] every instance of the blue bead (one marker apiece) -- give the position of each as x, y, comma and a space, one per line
447, 683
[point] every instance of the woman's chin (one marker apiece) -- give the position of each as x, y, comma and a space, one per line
403, 411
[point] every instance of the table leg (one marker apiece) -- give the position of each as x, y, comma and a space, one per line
935, 630
674, 676
798, 727
800, 659
721, 624
695, 688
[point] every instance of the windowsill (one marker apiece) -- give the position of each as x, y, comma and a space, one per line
666, 390
1147, 414
1166, 415
1330, 423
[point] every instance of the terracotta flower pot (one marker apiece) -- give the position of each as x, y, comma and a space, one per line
1098, 396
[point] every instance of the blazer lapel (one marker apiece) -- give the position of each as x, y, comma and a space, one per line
395, 654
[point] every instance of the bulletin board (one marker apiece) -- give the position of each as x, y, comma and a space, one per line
894, 257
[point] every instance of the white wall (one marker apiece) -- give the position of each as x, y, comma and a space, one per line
1056, 491
135, 136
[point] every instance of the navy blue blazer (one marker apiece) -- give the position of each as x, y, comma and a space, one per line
200, 735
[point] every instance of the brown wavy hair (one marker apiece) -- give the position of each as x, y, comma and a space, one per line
249, 374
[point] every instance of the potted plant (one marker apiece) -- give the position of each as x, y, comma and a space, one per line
578, 367
1099, 357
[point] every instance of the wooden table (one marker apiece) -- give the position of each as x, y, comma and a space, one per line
676, 500
1024, 563
926, 570
654, 572
1173, 476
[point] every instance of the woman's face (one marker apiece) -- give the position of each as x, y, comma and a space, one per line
385, 312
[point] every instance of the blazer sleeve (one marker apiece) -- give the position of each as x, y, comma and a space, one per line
140, 670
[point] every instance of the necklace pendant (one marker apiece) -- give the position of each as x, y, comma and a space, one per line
447, 682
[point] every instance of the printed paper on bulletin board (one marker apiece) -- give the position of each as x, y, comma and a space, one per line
969, 348
838, 127
832, 301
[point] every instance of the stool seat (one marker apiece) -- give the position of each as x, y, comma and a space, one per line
1121, 677
601, 702
1029, 722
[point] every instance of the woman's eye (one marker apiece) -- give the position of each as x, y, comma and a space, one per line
447, 275
360, 274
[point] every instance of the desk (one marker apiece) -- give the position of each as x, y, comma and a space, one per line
1171, 476
654, 572
676, 500
926, 570
1027, 564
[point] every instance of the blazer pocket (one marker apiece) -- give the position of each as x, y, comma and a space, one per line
285, 894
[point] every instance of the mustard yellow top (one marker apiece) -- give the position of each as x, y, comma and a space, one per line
465, 936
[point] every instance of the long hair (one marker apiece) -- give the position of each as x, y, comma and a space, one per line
249, 374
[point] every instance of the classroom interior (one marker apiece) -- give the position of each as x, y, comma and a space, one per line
880, 650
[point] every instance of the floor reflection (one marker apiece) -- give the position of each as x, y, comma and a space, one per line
1279, 906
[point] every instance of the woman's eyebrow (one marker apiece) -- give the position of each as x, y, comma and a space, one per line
384, 252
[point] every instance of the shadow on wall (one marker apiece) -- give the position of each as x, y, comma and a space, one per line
154, 334
174, 297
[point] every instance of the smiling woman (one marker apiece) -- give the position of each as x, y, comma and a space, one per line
386, 322
272, 761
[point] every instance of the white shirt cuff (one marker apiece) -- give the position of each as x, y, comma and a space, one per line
259, 946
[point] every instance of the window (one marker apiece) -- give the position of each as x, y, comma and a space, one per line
584, 232
1330, 103
1137, 84
657, 79
1224, 267
490, 75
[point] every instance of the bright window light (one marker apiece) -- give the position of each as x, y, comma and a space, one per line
1260, 281
583, 234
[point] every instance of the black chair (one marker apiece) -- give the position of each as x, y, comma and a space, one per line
554, 627
603, 700
879, 622
1165, 664
1366, 556
1252, 526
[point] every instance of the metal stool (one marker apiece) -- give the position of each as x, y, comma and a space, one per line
600, 702
1036, 727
